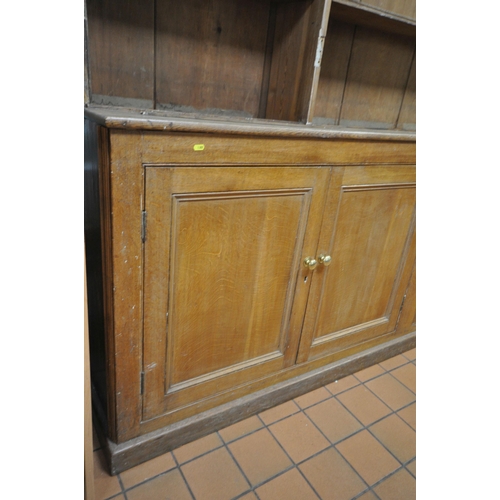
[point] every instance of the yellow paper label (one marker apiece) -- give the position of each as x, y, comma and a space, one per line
199, 147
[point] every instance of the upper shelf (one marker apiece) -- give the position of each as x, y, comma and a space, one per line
364, 14
342, 65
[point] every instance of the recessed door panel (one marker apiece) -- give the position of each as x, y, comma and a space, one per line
230, 271
223, 250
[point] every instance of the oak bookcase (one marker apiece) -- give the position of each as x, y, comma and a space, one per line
249, 206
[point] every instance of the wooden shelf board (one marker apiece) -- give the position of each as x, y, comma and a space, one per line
136, 119
365, 15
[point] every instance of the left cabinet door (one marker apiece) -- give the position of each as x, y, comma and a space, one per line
224, 288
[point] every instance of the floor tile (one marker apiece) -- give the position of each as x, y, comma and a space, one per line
411, 354
391, 363
197, 448
259, 456
409, 415
343, 384
334, 421
368, 457
166, 486
312, 397
366, 407
400, 486
332, 477
147, 470
214, 476
289, 486
412, 467
397, 436
369, 373
394, 394
279, 412
240, 429
105, 485
299, 437
407, 375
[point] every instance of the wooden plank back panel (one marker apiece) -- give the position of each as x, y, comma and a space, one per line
408, 115
406, 8
288, 57
121, 51
333, 75
377, 77
210, 55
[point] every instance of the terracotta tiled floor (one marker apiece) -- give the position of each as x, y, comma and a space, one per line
352, 439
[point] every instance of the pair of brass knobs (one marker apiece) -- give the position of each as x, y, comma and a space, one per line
312, 263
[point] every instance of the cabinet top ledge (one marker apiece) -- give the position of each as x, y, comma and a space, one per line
136, 119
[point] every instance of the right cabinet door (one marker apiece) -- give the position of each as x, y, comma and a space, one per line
369, 232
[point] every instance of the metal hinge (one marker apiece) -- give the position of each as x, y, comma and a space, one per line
143, 226
142, 383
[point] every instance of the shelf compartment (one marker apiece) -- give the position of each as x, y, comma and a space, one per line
251, 59
366, 79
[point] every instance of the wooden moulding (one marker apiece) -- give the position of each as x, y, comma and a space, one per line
143, 448
135, 119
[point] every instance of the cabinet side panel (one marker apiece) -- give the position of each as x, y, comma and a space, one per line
125, 351
93, 227
121, 55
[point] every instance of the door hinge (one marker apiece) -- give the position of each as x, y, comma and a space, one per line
142, 383
143, 226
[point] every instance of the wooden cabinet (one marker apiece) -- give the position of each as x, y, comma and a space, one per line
207, 296
249, 206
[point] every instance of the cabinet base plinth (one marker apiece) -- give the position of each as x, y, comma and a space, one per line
135, 451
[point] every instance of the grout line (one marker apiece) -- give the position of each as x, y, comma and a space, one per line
149, 478
294, 464
380, 481
408, 463
234, 460
183, 477
332, 445
121, 486
345, 390
197, 456
402, 383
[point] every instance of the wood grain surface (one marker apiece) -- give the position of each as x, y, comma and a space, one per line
121, 51
376, 80
222, 250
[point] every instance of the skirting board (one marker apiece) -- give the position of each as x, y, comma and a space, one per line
138, 450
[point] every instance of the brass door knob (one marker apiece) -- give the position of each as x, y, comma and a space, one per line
310, 263
326, 260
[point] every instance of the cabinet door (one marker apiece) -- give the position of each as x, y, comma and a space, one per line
224, 296
369, 234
